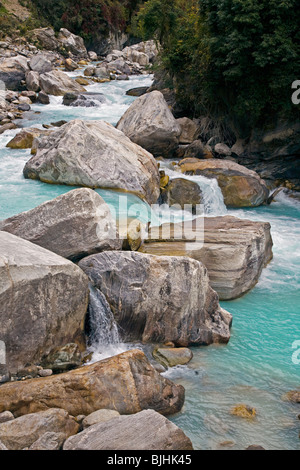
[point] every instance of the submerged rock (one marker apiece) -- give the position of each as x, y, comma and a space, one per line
96, 155
22, 432
240, 187
234, 251
43, 301
126, 383
86, 100
72, 225
146, 430
150, 123
244, 411
170, 357
159, 298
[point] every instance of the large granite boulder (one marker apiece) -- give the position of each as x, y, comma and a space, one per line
72, 43
24, 431
240, 187
126, 383
40, 63
147, 430
159, 298
74, 225
13, 71
234, 251
43, 301
96, 155
33, 81
150, 123
44, 37
59, 83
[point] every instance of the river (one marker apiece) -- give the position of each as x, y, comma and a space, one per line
260, 363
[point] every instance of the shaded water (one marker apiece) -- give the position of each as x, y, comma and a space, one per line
256, 367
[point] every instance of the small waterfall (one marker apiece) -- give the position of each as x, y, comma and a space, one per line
212, 195
104, 339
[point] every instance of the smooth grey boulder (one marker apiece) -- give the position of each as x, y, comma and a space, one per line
33, 81
72, 225
147, 430
59, 83
22, 432
13, 71
159, 298
86, 100
126, 383
43, 301
72, 43
150, 123
39, 63
96, 155
235, 251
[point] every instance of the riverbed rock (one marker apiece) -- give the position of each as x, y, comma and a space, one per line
43, 98
13, 71
6, 416
170, 357
159, 298
240, 187
96, 155
182, 192
138, 91
40, 63
126, 383
146, 430
49, 441
22, 432
33, 81
72, 225
86, 100
100, 416
243, 411
235, 251
72, 43
43, 301
293, 396
59, 83
189, 130
44, 37
198, 149
150, 123
24, 139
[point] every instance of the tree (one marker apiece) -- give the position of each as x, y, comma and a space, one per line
232, 59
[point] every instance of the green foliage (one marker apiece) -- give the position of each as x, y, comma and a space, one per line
87, 18
7, 22
233, 59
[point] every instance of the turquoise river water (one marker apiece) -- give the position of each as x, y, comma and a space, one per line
261, 362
